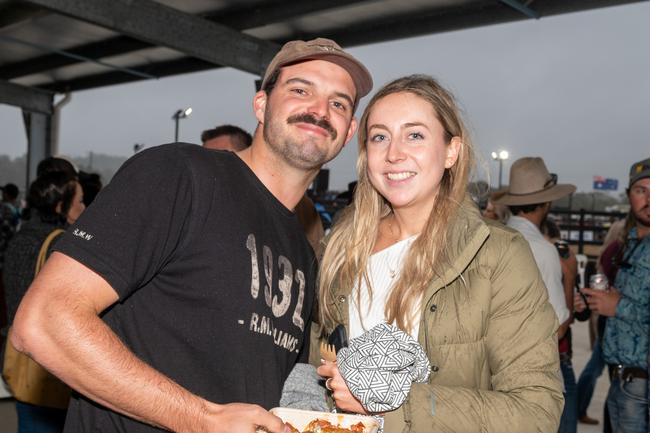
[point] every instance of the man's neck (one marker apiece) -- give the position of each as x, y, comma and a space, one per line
287, 183
642, 230
534, 217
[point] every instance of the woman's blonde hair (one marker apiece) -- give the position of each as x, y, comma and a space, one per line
352, 239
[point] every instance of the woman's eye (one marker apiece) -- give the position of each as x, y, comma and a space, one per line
416, 136
378, 138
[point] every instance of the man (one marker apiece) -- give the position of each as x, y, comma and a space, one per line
187, 285
226, 137
627, 308
529, 196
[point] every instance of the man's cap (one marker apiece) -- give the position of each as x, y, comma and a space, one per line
321, 49
639, 170
531, 183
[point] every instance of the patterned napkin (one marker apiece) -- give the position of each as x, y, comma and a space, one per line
380, 365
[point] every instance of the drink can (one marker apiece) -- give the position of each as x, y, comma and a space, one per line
598, 282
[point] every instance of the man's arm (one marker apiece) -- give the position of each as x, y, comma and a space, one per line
58, 325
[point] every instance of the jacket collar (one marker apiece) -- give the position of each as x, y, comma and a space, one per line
468, 232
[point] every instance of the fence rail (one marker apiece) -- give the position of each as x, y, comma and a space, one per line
584, 227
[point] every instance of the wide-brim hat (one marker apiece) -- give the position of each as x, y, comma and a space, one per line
531, 183
321, 49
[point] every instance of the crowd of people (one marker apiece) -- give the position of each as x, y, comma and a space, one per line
194, 293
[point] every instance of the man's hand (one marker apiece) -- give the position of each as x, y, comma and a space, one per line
341, 394
578, 303
240, 417
603, 302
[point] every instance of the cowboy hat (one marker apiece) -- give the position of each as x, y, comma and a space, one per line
531, 183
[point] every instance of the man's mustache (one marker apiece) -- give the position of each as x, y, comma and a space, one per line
310, 118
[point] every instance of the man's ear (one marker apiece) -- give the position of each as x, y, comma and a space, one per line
351, 130
259, 105
59, 207
453, 150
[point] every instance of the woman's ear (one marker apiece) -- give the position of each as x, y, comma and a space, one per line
453, 150
59, 207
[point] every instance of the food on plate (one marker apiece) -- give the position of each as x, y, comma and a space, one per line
323, 426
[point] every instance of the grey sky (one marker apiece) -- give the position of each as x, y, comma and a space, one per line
574, 89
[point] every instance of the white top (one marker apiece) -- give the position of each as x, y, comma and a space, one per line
384, 268
548, 262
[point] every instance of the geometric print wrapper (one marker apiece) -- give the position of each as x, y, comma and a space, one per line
380, 365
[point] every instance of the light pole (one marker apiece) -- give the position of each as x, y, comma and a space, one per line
181, 113
500, 156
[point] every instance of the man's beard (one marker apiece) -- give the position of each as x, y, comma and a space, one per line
641, 217
305, 153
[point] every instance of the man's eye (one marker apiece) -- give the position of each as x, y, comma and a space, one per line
299, 91
339, 105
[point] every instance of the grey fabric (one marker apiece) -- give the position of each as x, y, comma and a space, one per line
380, 366
303, 391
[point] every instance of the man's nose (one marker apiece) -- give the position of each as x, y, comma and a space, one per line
319, 107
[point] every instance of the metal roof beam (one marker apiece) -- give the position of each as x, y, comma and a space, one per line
95, 50
74, 56
29, 99
247, 17
12, 13
238, 19
161, 25
372, 31
160, 69
516, 5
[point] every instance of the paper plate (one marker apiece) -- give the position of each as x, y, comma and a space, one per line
301, 418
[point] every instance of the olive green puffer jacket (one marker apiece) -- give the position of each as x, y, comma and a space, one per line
490, 334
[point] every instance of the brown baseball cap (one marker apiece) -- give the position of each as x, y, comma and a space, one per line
321, 49
639, 170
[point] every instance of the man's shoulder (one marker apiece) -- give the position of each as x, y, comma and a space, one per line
185, 156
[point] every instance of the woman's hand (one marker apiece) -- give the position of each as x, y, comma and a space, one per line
339, 390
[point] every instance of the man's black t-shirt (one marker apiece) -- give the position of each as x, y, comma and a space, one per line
214, 275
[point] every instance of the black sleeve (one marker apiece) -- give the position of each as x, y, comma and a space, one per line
137, 222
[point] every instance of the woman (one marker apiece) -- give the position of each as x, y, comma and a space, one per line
55, 200
414, 251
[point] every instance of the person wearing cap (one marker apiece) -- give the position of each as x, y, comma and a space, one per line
530, 193
181, 298
626, 304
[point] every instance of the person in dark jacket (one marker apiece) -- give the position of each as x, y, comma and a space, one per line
55, 200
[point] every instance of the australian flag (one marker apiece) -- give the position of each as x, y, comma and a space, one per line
605, 184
